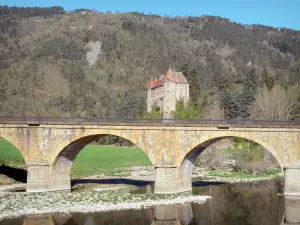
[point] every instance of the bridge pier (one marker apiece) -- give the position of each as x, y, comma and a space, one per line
60, 183
291, 180
168, 179
38, 177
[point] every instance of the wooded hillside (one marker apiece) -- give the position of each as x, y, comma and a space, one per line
233, 70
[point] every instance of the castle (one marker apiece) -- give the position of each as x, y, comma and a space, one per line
165, 91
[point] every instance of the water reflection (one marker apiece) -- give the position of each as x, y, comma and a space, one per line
292, 210
239, 204
230, 204
173, 215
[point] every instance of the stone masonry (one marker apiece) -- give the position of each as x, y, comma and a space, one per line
50, 149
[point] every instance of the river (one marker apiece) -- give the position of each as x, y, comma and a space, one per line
247, 204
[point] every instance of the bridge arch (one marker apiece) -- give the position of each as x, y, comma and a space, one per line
187, 163
60, 167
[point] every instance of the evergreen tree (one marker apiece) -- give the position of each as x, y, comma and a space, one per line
249, 92
192, 78
267, 79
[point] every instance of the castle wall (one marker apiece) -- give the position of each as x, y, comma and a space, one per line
182, 92
149, 101
169, 102
155, 98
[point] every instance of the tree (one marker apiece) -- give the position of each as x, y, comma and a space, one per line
189, 112
155, 113
213, 109
277, 104
267, 79
194, 82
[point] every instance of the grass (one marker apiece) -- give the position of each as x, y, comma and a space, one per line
95, 159
242, 175
9, 155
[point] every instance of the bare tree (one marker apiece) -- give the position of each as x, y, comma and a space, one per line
213, 109
276, 104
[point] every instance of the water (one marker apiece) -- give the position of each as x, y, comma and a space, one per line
230, 204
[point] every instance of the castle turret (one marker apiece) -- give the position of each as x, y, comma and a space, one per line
151, 83
169, 73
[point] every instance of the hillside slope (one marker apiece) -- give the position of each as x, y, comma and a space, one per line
54, 63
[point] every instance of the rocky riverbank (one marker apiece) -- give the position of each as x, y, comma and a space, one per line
18, 204
146, 173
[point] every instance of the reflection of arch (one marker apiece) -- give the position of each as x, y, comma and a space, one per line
187, 164
292, 209
38, 219
62, 165
47, 219
181, 214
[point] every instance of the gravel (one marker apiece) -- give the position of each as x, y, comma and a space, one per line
19, 204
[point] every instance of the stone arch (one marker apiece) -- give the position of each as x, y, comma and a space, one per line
60, 167
187, 163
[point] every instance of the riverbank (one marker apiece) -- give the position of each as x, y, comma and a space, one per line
147, 173
19, 204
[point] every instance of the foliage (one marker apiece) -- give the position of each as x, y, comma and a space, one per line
186, 112
155, 113
267, 79
248, 154
217, 56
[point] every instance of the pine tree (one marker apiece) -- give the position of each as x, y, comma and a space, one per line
193, 79
267, 79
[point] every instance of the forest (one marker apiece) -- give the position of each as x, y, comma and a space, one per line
235, 71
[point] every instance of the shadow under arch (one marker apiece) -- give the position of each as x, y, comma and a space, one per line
188, 162
16, 170
62, 165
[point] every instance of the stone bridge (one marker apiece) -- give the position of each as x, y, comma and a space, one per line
49, 146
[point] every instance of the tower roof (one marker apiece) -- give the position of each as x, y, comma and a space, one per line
170, 76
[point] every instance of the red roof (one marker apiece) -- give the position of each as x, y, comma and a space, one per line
171, 76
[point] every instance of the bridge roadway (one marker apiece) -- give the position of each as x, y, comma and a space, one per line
50, 145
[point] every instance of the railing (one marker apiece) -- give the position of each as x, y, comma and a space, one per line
222, 124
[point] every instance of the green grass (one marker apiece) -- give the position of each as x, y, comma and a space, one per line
10, 155
241, 175
95, 159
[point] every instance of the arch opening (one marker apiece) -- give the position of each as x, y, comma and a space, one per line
101, 159
12, 164
212, 160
